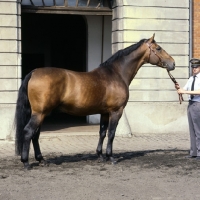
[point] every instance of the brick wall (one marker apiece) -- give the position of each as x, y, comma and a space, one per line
196, 29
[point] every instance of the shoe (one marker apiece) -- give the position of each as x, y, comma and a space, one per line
192, 156
197, 158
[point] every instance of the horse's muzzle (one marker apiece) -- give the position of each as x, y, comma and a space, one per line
170, 67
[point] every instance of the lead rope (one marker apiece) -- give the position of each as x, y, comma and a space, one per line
172, 78
175, 82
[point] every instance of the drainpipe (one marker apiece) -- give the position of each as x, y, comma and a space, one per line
102, 39
190, 34
19, 53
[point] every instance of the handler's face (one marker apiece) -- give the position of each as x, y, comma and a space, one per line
196, 70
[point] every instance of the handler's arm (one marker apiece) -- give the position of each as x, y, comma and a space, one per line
182, 91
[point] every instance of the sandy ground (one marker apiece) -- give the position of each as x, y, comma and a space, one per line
139, 175
150, 167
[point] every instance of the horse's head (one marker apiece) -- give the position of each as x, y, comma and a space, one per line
158, 56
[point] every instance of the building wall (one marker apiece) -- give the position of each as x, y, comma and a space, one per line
10, 63
153, 103
196, 28
99, 47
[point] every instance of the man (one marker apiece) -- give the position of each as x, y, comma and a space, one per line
192, 88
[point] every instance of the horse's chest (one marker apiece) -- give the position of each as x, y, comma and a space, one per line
117, 99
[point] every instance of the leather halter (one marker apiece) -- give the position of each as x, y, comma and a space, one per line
152, 50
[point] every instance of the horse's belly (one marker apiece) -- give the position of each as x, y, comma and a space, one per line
93, 101
88, 108
81, 110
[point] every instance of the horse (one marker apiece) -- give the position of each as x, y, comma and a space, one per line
104, 91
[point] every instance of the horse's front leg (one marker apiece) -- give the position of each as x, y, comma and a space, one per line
102, 134
113, 122
36, 146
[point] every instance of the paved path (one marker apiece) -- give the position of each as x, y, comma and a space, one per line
84, 139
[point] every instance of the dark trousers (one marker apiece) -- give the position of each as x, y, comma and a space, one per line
193, 113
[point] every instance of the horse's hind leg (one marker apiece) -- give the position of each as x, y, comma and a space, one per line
102, 134
29, 132
36, 146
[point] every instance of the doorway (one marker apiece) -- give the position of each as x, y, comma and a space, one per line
51, 40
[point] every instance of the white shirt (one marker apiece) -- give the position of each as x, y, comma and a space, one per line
196, 87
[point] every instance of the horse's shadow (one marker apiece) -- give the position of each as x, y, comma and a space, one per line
119, 157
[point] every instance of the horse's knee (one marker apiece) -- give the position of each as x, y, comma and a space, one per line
111, 135
103, 134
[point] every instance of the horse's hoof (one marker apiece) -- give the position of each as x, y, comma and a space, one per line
43, 163
101, 159
113, 161
27, 167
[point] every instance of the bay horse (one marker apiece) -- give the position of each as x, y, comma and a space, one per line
104, 91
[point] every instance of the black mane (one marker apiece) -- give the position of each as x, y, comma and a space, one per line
122, 52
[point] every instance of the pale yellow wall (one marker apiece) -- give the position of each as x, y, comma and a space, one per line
153, 103
169, 20
99, 28
151, 89
10, 63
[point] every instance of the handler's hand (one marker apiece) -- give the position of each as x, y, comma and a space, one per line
177, 86
181, 91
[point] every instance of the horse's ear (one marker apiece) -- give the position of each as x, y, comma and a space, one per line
151, 39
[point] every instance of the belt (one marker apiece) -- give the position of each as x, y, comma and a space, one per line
191, 102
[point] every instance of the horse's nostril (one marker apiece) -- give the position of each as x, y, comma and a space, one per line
174, 64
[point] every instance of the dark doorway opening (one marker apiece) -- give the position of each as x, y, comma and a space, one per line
51, 40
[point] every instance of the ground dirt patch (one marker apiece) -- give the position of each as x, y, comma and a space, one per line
142, 175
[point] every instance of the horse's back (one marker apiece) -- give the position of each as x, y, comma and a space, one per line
49, 88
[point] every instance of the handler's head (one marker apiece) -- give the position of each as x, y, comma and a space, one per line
195, 64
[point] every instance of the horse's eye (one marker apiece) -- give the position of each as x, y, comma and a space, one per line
158, 48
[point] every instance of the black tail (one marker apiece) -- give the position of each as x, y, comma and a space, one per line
22, 114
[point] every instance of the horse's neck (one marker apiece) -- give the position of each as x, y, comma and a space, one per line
131, 64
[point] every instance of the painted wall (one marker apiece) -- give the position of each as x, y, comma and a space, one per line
10, 64
99, 46
99, 49
153, 104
